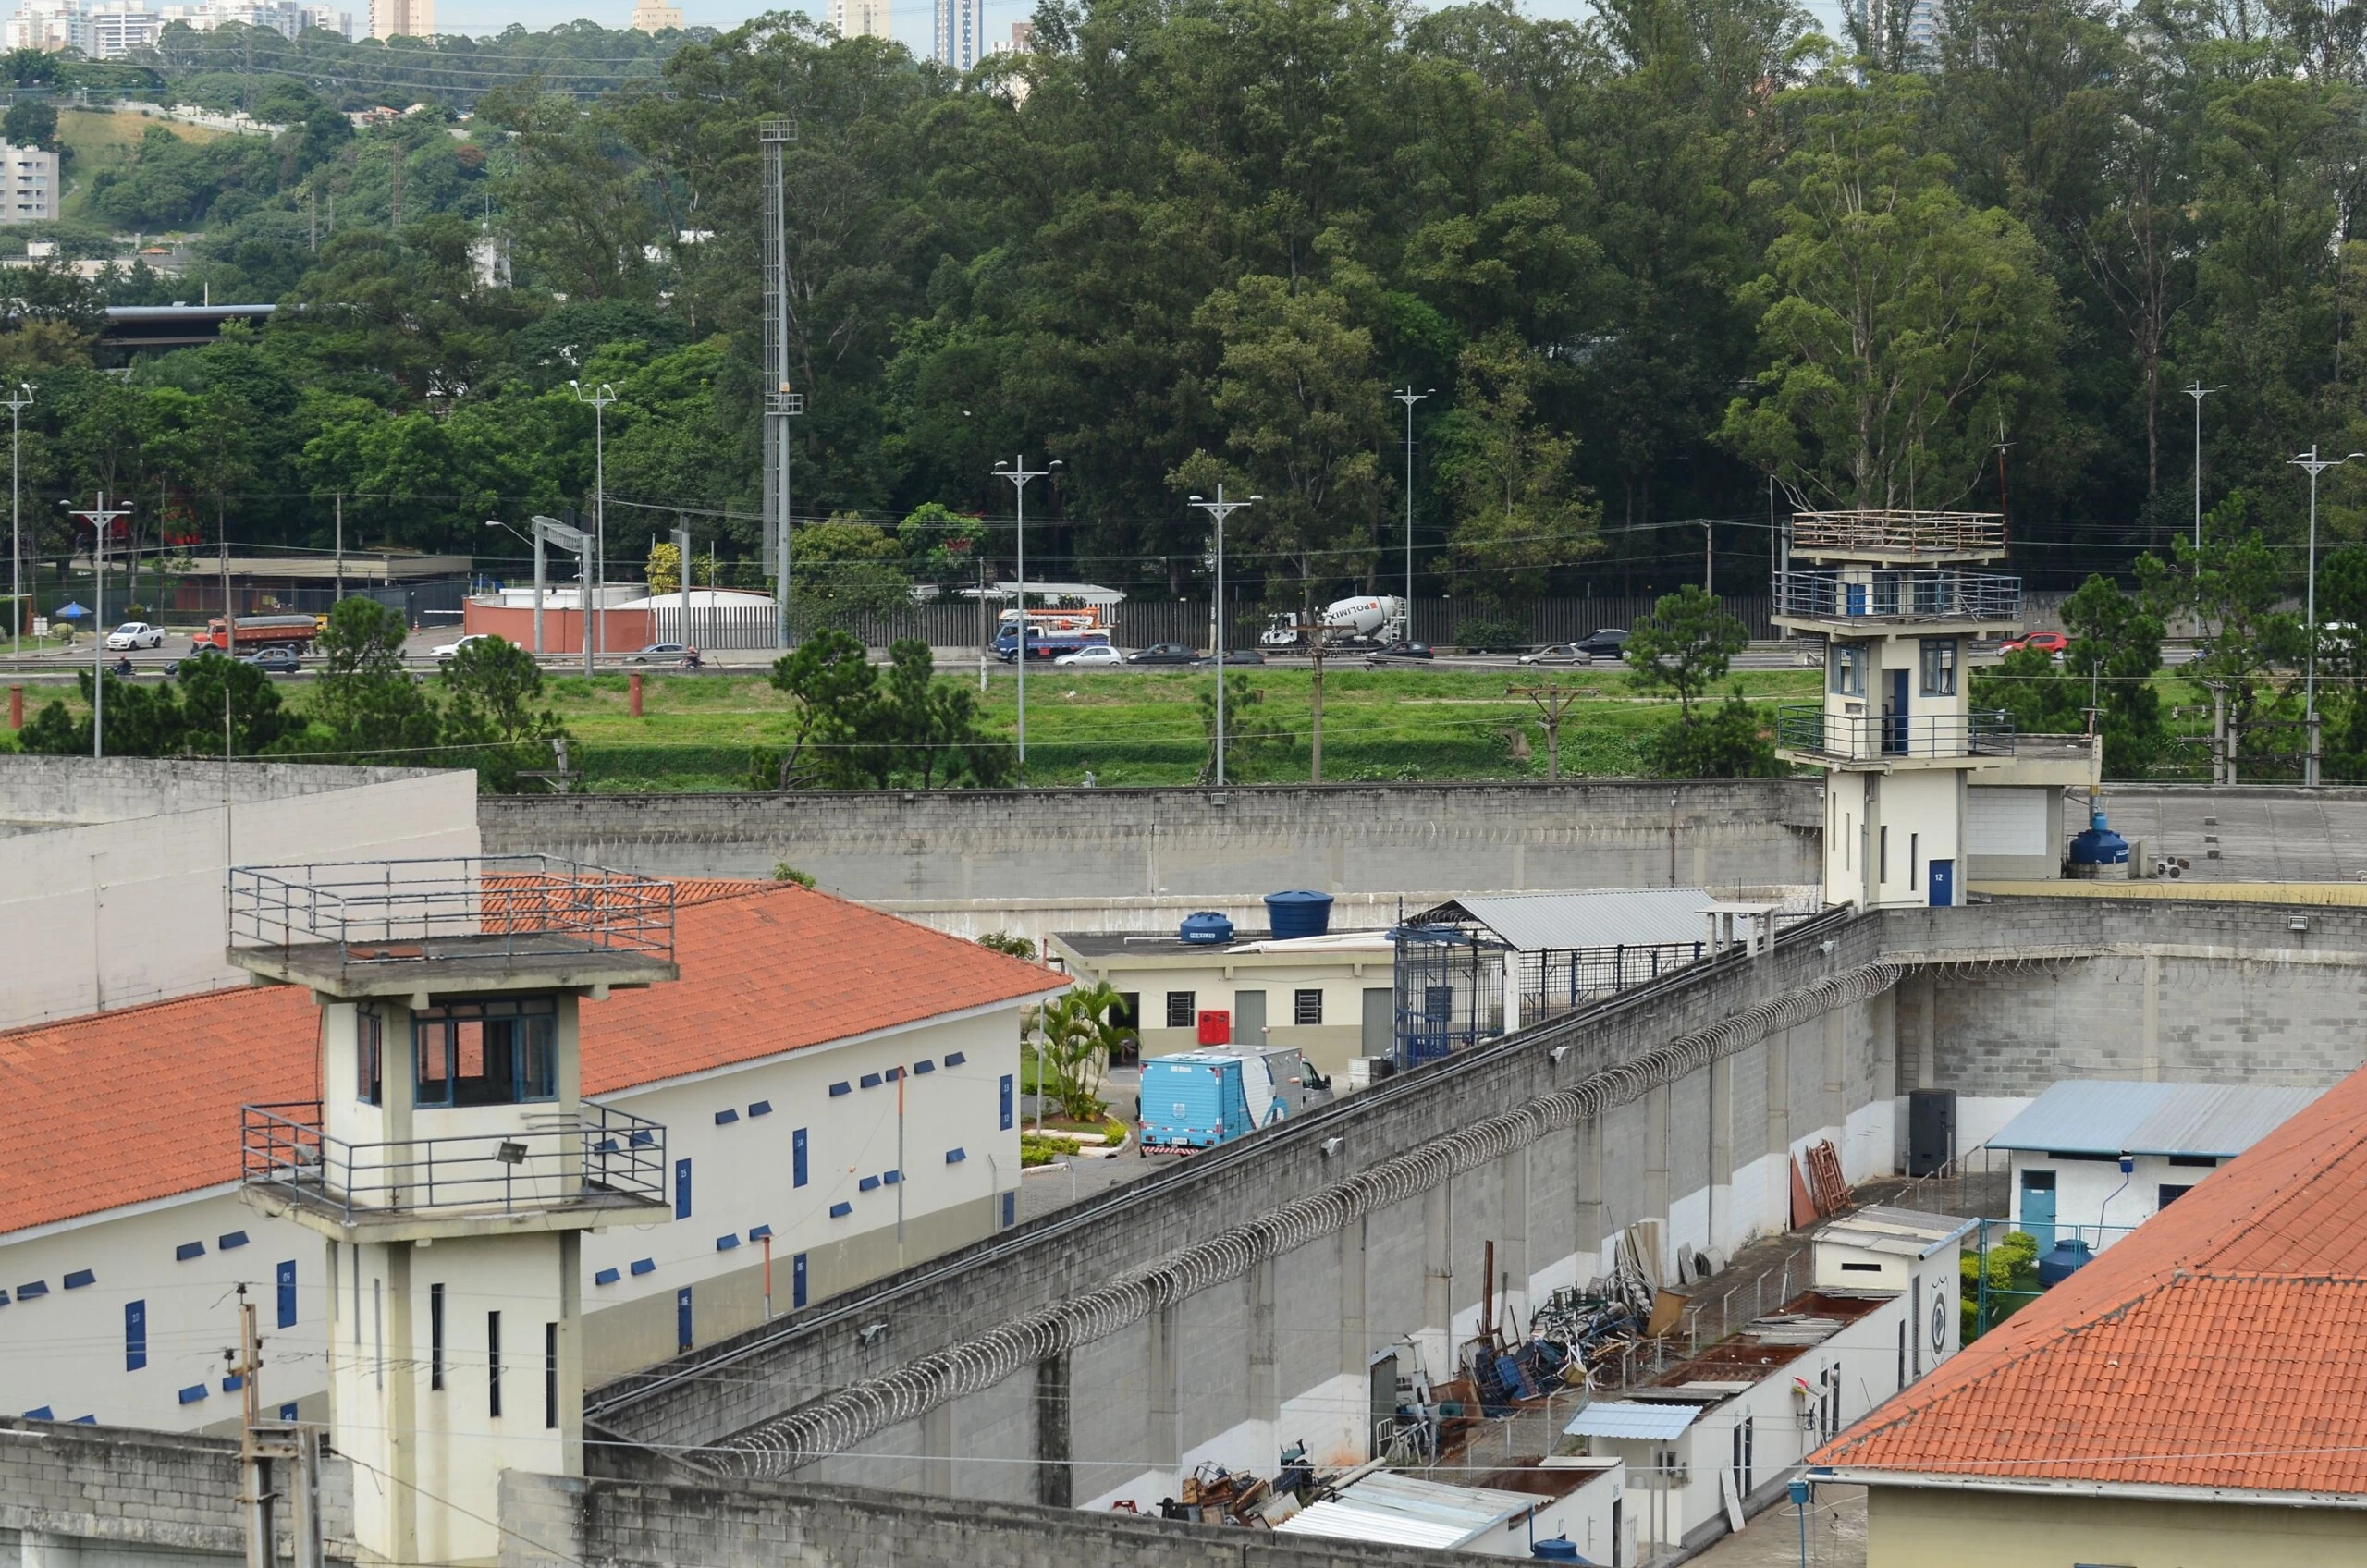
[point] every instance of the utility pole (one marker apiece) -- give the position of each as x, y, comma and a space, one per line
340, 553
1709, 557
682, 537
1221, 509
278, 1461
17, 401
781, 404
1552, 700
593, 618
1318, 635
2199, 392
2314, 465
1407, 396
100, 520
1019, 474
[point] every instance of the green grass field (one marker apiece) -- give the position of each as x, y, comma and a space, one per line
1142, 727
99, 138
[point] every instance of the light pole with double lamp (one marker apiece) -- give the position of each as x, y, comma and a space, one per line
1221, 509
2314, 465
1018, 474
599, 398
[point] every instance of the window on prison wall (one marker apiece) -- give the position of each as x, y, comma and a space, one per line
501, 1052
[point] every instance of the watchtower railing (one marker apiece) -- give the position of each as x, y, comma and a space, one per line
389, 912
1899, 534
1912, 595
1811, 730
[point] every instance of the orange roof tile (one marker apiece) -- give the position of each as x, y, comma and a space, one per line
2222, 1345
140, 1104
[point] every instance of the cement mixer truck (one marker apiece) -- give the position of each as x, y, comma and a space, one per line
1366, 621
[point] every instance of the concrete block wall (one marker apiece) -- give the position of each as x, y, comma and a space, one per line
1071, 843
552, 1523
119, 1492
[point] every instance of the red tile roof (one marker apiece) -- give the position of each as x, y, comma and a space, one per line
127, 1107
2221, 1344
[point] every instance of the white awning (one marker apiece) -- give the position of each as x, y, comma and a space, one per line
1632, 1418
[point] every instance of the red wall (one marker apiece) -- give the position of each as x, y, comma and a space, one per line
621, 632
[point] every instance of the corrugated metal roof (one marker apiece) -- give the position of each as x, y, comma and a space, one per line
1600, 918
1903, 1232
2107, 1115
1632, 1418
1404, 1511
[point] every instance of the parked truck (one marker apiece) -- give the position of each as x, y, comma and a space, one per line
1200, 1098
293, 632
1370, 620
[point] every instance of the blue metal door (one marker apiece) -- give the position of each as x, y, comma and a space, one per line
1854, 598
1943, 875
1894, 714
683, 1318
2038, 1207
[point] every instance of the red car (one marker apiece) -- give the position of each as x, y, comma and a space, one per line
2049, 642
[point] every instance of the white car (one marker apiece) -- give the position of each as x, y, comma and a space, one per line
1100, 653
135, 635
452, 650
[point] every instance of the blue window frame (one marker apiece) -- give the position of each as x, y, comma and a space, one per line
797, 1281
841, 1210
797, 1158
135, 1335
1009, 1087
368, 1057
726, 1242
229, 1239
891, 1177
761, 1107
233, 1383
924, 1065
80, 1277
759, 1232
955, 1058
37, 1289
287, 1411
1009, 1210
188, 1250
869, 1080
42, 1411
287, 1294
604, 1277
644, 1266
683, 1318
499, 1051
194, 1393
681, 1189
955, 1157
869, 1184
727, 1116
842, 1087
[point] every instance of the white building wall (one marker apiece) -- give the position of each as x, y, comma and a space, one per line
2092, 1200
28, 184
112, 913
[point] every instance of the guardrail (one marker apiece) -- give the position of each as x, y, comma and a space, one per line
600, 1152
379, 912
1809, 727
1900, 533
1899, 595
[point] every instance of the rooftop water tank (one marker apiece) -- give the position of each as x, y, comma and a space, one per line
1298, 913
2097, 847
2066, 1258
1208, 927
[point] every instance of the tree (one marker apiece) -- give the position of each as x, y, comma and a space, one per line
1079, 1033
366, 706
492, 688
926, 731
31, 122
1519, 515
1684, 645
2232, 588
1901, 325
832, 685
1729, 741
1249, 741
843, 570
181, 718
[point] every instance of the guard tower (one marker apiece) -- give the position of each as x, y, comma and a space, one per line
1893, 598
451, 1161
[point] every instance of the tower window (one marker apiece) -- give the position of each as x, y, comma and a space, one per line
1846, 668
486, 1053
368, 1057
1939, 667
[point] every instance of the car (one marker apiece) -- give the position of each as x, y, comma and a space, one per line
1100, 653
1236, 656
273, 661
1603, 642
1558, 653
2050, 642
666, 653
1403, 651
452, 650
1164, 652
135, 635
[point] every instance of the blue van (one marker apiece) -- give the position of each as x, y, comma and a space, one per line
1198, 1099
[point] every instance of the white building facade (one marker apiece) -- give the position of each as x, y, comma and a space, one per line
31, 183
1893, 597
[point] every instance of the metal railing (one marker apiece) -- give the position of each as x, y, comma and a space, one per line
1899, 595
1899, 534
1809, 727
1558, 980
382, 912
598, 1153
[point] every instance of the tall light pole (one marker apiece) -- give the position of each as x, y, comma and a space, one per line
2312, 464
1407, 396
17, 401
599, 399
2199, 392
100, 519
1018, 474
1221, 509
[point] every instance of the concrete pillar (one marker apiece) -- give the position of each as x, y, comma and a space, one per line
1721, 1151
400, 1371
1587, 1140
1356, 1343
1834, 1111
937, 1450
1657, 1113
1438, 1281
1264, 1371
1777, 1054
1163, 1410
1055, 1478
1927, 1050
1512, 1244
2152, 1016
571, 1351
40, 1548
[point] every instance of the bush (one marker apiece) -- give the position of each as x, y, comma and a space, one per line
1001, 942
1042, 1148
1730, 741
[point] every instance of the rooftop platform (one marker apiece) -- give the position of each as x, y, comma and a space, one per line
1906, 538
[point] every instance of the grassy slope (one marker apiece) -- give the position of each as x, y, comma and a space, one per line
98, 138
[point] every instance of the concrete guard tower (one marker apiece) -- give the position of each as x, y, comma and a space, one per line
1890, 595
451, 1161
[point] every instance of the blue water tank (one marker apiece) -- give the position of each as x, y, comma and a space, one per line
1298, 913
2066, 1258
1560, 1549
1207, 927
2099, 845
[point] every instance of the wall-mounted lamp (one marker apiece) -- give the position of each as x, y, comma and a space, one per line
1331, 1145
870, 1331
1557, 1053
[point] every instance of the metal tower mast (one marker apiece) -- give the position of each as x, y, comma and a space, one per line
781, 404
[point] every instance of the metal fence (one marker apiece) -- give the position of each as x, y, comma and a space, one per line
383, 910
1900, 596
600, 1152
1806, 727
1558, 980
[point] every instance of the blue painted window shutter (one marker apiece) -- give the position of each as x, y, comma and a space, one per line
135, 1335
797, 1281
683, 1318
797, 1158
681, 1189
1009, 1085
287, 1294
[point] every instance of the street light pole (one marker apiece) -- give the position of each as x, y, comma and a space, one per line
1019, 474
2199, 392
1221, 509
18, 402
2311, 464
599, 399
1407, 396
100, 520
